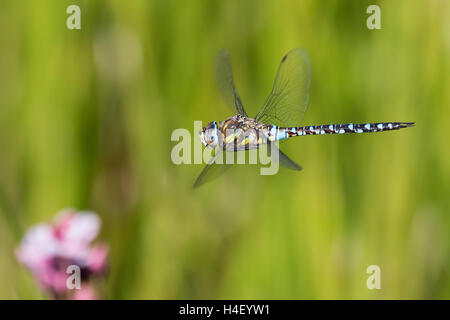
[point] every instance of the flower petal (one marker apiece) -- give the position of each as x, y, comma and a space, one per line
97, 258
79, 232
86, 292
37, 247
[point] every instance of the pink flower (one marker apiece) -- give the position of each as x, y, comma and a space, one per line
86, 292
47, 250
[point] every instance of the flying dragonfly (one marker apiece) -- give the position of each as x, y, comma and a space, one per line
277, 119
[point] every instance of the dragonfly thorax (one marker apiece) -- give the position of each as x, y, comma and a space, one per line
209, 135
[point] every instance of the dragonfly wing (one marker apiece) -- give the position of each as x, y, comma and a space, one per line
211, 171
289, 99
225, 83
283, 159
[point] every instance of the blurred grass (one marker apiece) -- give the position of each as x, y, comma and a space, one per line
86, 118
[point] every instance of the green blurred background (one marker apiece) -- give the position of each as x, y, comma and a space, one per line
86, 118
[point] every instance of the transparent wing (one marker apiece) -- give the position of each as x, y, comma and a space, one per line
211, 171
225, 83
283, 159
289, 99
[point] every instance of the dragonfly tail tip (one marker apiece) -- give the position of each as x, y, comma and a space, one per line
406, 124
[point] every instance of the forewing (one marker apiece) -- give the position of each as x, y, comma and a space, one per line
289, 99
225, 83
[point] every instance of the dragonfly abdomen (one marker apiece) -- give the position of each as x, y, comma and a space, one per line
341, 128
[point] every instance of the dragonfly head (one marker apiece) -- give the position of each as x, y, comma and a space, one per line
209, 136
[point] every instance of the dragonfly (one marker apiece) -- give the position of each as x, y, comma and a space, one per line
278, 118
